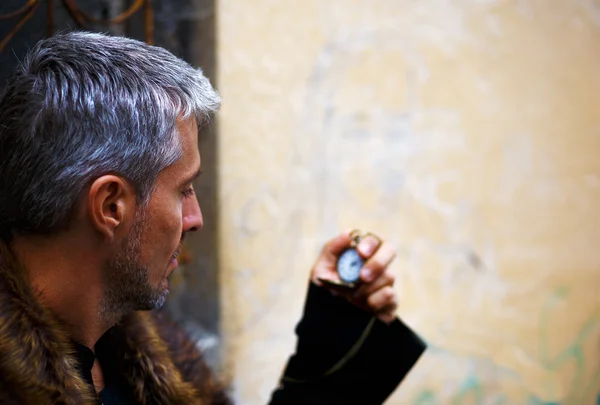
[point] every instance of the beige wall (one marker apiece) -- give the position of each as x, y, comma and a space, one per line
468, 133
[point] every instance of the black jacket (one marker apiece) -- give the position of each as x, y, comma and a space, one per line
345, 356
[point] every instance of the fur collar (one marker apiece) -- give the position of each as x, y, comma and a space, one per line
37, 363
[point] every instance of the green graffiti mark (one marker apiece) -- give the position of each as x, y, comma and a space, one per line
472, 390
427, 398
574, 352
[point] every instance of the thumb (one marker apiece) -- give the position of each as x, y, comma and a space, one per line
334, 247
325, 265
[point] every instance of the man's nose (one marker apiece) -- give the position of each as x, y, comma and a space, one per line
192, 215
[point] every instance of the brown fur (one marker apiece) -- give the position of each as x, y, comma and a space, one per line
37, 367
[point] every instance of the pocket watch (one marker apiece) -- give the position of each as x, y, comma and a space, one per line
348, 265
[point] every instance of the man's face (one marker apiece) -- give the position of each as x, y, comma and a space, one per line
137, 277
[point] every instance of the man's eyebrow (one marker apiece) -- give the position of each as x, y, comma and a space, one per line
193, 177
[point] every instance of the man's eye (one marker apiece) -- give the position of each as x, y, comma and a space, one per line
188, 192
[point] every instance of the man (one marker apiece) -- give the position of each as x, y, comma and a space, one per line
98, 154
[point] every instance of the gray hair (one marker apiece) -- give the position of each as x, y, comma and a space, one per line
82, 105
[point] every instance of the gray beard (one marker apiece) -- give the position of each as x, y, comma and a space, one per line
127, 286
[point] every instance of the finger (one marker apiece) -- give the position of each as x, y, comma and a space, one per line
368, 246
382, 299
336, 246
387, 278
388, 315
377, 264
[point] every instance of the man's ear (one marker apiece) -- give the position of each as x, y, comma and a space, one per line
111, 205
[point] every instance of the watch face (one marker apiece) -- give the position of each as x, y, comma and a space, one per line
349, 265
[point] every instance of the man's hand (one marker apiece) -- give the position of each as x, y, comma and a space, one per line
375, 292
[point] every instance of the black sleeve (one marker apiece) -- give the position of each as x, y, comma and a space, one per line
344, 355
